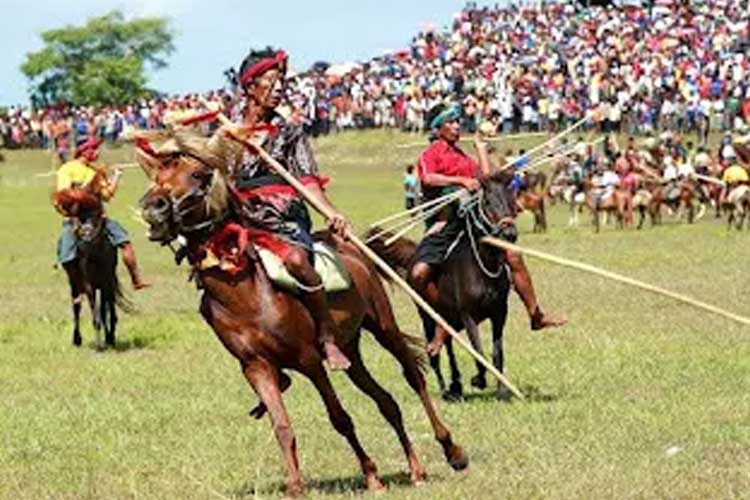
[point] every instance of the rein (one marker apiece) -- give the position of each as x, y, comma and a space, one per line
476, 218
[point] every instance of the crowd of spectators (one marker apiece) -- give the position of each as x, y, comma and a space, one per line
674, 65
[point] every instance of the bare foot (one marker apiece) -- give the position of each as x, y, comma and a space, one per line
434, 347
336, 358
540, 321
140, 285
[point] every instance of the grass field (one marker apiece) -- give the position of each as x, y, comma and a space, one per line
638, 397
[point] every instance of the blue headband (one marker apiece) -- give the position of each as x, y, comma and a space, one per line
447, 115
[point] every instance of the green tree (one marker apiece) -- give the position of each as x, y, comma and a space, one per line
100, 63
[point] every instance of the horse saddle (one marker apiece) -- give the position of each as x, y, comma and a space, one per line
327, 264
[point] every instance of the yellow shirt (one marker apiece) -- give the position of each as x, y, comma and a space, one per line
74, 173
734, 175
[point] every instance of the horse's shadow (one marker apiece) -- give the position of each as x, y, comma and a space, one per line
130, 344
532, 393
331, 486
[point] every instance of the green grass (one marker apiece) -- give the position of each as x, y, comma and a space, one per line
165, 414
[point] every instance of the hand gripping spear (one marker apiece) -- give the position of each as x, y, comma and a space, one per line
393, 275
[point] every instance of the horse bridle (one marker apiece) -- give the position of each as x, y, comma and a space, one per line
176, 209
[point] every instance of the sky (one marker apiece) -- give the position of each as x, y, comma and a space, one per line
213, 35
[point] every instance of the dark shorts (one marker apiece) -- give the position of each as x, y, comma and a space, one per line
67, 245
435, 248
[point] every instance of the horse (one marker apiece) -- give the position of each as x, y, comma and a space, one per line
534, 203
269, 330
473, 283
737, 204
614, 203
576, 200
93, 274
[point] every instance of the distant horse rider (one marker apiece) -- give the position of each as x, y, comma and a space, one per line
80, 173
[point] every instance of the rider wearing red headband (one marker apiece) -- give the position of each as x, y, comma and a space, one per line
271, 204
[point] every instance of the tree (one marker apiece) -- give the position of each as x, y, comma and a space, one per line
100, 63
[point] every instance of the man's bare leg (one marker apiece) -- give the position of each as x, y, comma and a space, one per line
128, 257
315, 299
525, 289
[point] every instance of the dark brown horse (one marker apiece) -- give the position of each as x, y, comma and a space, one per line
473, 283
269, 330
93, 274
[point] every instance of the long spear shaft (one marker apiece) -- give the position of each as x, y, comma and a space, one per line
393, 275
616, 277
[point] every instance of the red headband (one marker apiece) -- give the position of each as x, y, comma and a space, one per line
262, 66
89, 144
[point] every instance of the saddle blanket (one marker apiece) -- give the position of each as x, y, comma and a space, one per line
327, 264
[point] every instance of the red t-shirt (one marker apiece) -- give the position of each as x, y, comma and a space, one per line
442, 158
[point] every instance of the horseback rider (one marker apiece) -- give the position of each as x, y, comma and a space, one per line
604, 182
444, 166
734, 176
268, 202
80, 173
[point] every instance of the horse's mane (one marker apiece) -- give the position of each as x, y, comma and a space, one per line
72, 201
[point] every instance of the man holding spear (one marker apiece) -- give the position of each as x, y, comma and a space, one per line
268, 201
444, 166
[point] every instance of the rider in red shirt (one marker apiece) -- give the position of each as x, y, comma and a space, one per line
442, 165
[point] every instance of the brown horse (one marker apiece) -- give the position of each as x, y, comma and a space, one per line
93, 274
534, 203
473, 283
269, 330
613, 204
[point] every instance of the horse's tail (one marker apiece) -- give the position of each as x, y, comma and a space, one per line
399, 254
417, 349
121, 300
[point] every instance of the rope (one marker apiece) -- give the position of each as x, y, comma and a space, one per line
474, 248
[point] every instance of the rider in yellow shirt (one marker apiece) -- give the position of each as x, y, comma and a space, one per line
79, 173
733, 176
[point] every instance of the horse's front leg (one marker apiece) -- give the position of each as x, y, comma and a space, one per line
472, 330
498, 355
264, 380
76, 298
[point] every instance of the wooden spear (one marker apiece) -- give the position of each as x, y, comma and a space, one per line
615, 277
393, 275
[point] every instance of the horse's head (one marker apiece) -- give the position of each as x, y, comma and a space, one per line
188, 193
499, 204
87, 228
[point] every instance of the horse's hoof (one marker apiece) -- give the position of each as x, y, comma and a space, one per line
503, 394
454, 394
418, 478
452, 397
258, 411
374, 485
77, 341
479, 382
458, 460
